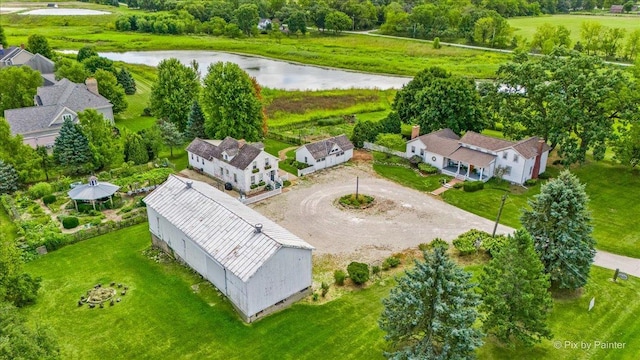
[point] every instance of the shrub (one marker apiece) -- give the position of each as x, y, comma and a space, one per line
339, 276
543, 176
375, 270
437, 242
330, 121
436, 43
531, 182
286, 183
62, 184
494, 244
350, 200
391, 261
40, 189
325, 288
315, 296
49, 199
424, 246
472, 186
469, 242
458, 185
427, 169
70, 222
358, 272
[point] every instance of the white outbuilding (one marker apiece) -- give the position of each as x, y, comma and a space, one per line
257, 264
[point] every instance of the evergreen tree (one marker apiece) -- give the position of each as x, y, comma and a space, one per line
71, 148
391, 124
231, 104
195, 124
560, 225
135, 149
171, 136
431, 312
126, 81
8, 178
515, 293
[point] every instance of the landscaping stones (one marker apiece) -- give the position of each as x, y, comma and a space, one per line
100, 294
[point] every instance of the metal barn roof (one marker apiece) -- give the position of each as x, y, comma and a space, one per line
221, 225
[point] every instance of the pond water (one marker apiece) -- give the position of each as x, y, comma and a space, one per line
67, 12
270, 73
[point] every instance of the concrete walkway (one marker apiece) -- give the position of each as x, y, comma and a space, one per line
611, 261
445, 187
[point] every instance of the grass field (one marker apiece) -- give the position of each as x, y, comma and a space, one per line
356, 52
163, 317
526, 26
397, 169
7, 227
614, 211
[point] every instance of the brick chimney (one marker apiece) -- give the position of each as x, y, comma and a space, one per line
241, 143
536, 164
92, 85
22, 46
415, 131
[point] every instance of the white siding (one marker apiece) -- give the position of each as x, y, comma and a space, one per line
416, 144
329, 160
303, 152
237, 292
286, 273
543, 162
429, 159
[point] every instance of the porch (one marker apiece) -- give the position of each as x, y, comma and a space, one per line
468, 164
463, 173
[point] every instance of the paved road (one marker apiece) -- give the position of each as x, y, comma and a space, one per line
611, 261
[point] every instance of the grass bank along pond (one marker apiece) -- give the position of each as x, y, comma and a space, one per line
269, 73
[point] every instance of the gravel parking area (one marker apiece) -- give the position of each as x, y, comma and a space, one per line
402, 218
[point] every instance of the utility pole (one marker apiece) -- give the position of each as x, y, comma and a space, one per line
495, 227
357, 183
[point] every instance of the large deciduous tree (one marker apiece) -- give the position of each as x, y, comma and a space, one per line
93, 63
430, 313
627, 147
103, 142
46, 160
515, 296
71, 70
560, 225
19, 86
571, 102
135, 149
231, 104
21, 157
3, 38
71, 148
86, 52
435, 99
337, 22
548, 36
38, 44
172, 95
109, 88
247, 18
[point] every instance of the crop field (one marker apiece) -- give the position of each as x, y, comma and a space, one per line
526, 26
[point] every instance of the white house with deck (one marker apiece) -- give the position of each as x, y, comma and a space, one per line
325, 153
479, 157
245, 166
257, 264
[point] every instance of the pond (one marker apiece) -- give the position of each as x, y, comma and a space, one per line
270, 73
67, 12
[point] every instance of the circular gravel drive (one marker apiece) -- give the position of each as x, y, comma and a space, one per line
402, 218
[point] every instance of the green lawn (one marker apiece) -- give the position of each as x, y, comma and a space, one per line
396, 169
162, 317
614, 210
132, 118
526, 26
7, 227
273, 147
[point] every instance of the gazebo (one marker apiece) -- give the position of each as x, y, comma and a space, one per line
93, 191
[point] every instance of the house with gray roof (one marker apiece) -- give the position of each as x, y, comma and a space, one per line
325, 153
479, 157
40, 124
257, 264
247, 167
18, 56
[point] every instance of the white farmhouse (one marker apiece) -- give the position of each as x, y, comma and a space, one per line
325, 153
257, 264
477, 157
244, 166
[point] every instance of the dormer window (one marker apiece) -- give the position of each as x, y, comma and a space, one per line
225, 157
66, 117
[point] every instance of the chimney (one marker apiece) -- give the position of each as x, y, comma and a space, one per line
536, 164
241, 143
92, 85
258, 228
415, 131
189, 184
22, 46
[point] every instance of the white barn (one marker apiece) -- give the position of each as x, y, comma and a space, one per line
325, 153
478, 157
260, 266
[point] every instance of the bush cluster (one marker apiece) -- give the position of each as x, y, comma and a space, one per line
70, 222
358, 272
427, 169
494, 244
390, 262
543, 176
472, 186
458, 185
351, 200
531, 182
437, 242
49, 199
339, 276
40, 189
469, 242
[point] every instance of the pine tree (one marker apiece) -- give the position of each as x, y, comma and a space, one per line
431, 312
127, 81
515, 293
560, 225
71, 148
195, 124
8, 178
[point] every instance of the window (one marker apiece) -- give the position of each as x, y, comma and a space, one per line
413, 149
421, 152
253, 179
228, 171
507, 170
191, 156
305, 159
235, 177
221, 171
515, 157
255, 164
504, 155
266, 161
202, 161
319, 160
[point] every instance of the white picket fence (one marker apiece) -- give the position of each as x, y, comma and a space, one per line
375, 147
264, 195
306, 171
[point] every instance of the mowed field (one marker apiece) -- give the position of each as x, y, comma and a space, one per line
526, 26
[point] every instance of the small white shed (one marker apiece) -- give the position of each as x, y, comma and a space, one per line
260, 266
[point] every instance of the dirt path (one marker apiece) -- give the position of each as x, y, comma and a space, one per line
402, 218
282, 154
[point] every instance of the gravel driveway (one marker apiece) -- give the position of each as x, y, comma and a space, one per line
402, 218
